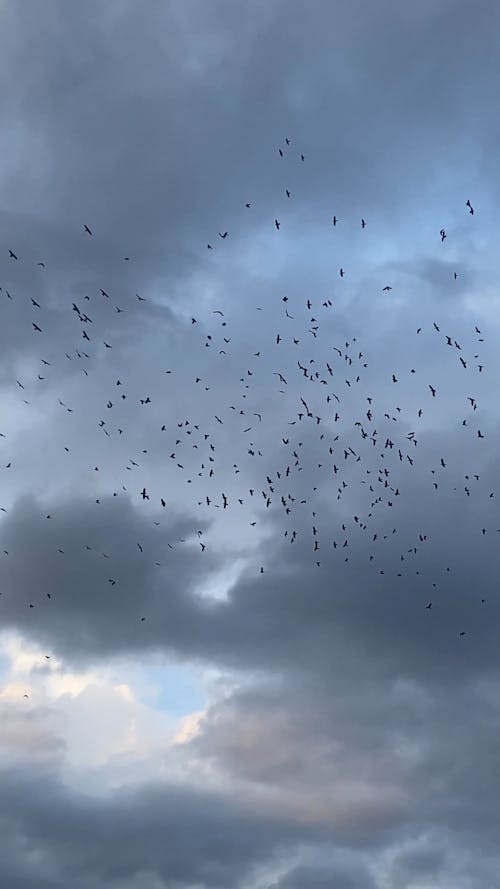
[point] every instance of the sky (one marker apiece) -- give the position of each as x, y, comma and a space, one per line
249, 481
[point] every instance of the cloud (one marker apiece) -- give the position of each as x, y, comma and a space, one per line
318, 572
325, 878
158, 832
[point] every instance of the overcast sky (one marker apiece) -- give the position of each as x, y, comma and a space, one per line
250, 503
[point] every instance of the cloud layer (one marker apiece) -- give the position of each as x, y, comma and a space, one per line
249, 527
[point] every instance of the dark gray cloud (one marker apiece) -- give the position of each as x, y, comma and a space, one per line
325, 878
88, 594
158, 834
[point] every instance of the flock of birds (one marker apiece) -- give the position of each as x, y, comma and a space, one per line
336, 432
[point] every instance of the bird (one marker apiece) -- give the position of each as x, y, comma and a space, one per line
471, 208
86, 228
224, 235
277, 224
12, 254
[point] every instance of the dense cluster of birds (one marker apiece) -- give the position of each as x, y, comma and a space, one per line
337, 432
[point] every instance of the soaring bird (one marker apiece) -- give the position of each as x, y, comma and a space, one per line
86, 228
